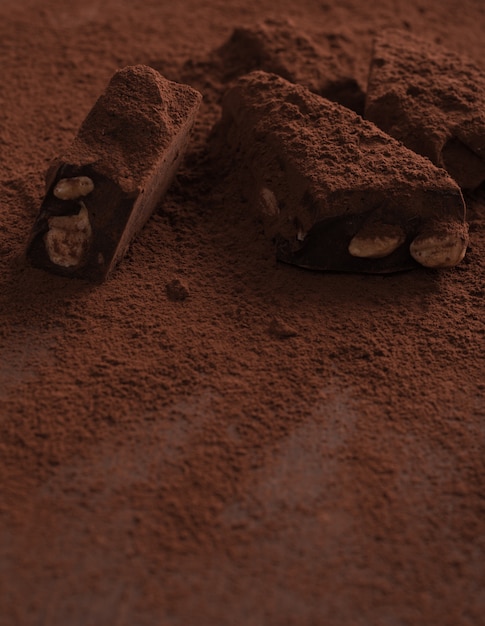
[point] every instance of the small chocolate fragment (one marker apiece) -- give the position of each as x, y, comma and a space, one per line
123, 159
177, 291
332, 190
278, 47
432, 100
280, 329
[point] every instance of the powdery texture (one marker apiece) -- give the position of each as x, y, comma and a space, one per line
431, 99
279, 47
130, 146
132, 123
182, 462
317, 172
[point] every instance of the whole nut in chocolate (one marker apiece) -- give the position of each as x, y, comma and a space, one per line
73, 188
68, 239
121, 163
333, 190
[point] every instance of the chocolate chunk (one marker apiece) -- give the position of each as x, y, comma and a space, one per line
278, 47
332, 190
104, 188
432, 100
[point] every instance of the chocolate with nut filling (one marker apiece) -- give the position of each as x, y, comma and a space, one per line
332, 190
103, 190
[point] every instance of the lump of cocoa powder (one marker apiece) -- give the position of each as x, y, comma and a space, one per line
177, 290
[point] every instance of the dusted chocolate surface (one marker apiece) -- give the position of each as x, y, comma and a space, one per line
431, 99
317, 174
129, 148
210, 437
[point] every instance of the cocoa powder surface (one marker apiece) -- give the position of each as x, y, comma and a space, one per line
432, 100
277, 446
134, 120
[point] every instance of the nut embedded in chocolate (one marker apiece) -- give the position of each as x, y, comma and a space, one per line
120, 164
68, 238
332, 190
73, 188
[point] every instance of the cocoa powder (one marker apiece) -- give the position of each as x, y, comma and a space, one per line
280, 447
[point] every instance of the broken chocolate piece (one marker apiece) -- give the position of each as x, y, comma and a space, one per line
432, 100
333, 190
277, 46
103, 190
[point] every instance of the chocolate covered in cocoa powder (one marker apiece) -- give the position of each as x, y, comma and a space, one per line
114, 175
278, 46
431, 99
280, 447
333, 190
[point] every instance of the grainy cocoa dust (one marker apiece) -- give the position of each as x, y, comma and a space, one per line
190, 460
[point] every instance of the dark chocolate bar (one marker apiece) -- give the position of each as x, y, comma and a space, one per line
332, 190
123, 159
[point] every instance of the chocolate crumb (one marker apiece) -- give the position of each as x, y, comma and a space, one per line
176, 290
280, 329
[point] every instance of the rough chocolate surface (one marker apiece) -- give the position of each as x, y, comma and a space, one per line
279, 47
432, 100
130, 146
318, 174
281, 447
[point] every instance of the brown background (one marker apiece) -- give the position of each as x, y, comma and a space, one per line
188, 462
